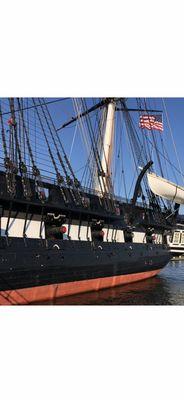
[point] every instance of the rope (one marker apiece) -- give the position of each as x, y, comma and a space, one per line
36, 171
22, 166
68, 180
76, 182
172, 137
73, 141
59, 177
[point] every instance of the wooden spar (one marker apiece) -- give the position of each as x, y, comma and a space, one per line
83, 114
103, 103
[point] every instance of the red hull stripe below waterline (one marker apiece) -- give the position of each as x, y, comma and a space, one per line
50, 292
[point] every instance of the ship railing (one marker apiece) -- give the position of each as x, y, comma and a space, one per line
51, 180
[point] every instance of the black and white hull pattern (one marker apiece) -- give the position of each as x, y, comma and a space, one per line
73, 224
34, 270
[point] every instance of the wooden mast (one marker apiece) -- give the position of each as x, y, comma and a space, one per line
107, 151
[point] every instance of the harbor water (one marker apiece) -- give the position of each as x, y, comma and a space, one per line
167, 288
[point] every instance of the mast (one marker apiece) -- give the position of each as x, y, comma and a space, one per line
107, 150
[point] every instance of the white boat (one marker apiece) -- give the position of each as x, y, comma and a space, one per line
166, 189
170, 191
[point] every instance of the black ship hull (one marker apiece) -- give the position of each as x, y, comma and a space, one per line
59, 237
37, 270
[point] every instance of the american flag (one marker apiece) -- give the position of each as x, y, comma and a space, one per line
151, 122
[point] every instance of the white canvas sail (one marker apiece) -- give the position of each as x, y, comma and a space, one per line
166, 189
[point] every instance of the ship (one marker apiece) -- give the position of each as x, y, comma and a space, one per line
60, 237
176, 241
175, 193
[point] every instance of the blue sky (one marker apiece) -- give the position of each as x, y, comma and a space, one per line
62, 111
124, 182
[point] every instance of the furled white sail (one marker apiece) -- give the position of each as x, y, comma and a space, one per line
166, 189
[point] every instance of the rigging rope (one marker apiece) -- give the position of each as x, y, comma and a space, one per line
172, 137
35, 170
9, 165
68, 179
60, 179
106, 180
22, 166
85, 135
76, 182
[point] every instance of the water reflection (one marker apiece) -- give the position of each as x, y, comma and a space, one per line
165, 289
